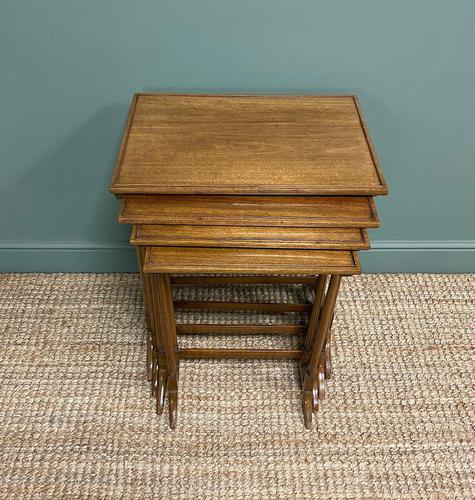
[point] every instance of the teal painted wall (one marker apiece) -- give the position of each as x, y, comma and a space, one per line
68, 70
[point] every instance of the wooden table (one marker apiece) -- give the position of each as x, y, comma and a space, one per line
245, 189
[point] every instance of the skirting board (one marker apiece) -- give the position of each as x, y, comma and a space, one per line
99, 257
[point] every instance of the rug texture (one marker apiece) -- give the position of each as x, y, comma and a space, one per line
77, 419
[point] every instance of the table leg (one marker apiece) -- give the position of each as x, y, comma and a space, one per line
150, 359
313, 319
157, 364
160, 379
312, 375
327, 352
163, 307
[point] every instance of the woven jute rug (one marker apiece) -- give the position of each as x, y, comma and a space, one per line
77, 419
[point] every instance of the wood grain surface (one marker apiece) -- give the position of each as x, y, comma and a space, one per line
250, 261
295, 211
351, 238
254, 144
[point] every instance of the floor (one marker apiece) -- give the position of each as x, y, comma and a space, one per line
77, 419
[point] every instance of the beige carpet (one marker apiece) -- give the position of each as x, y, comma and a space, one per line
77, 421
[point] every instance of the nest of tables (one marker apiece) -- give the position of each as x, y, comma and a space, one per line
245, 189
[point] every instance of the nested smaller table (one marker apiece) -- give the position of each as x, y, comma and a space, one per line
245, 189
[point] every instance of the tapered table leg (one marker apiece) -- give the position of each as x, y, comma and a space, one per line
163, 307
312, 374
